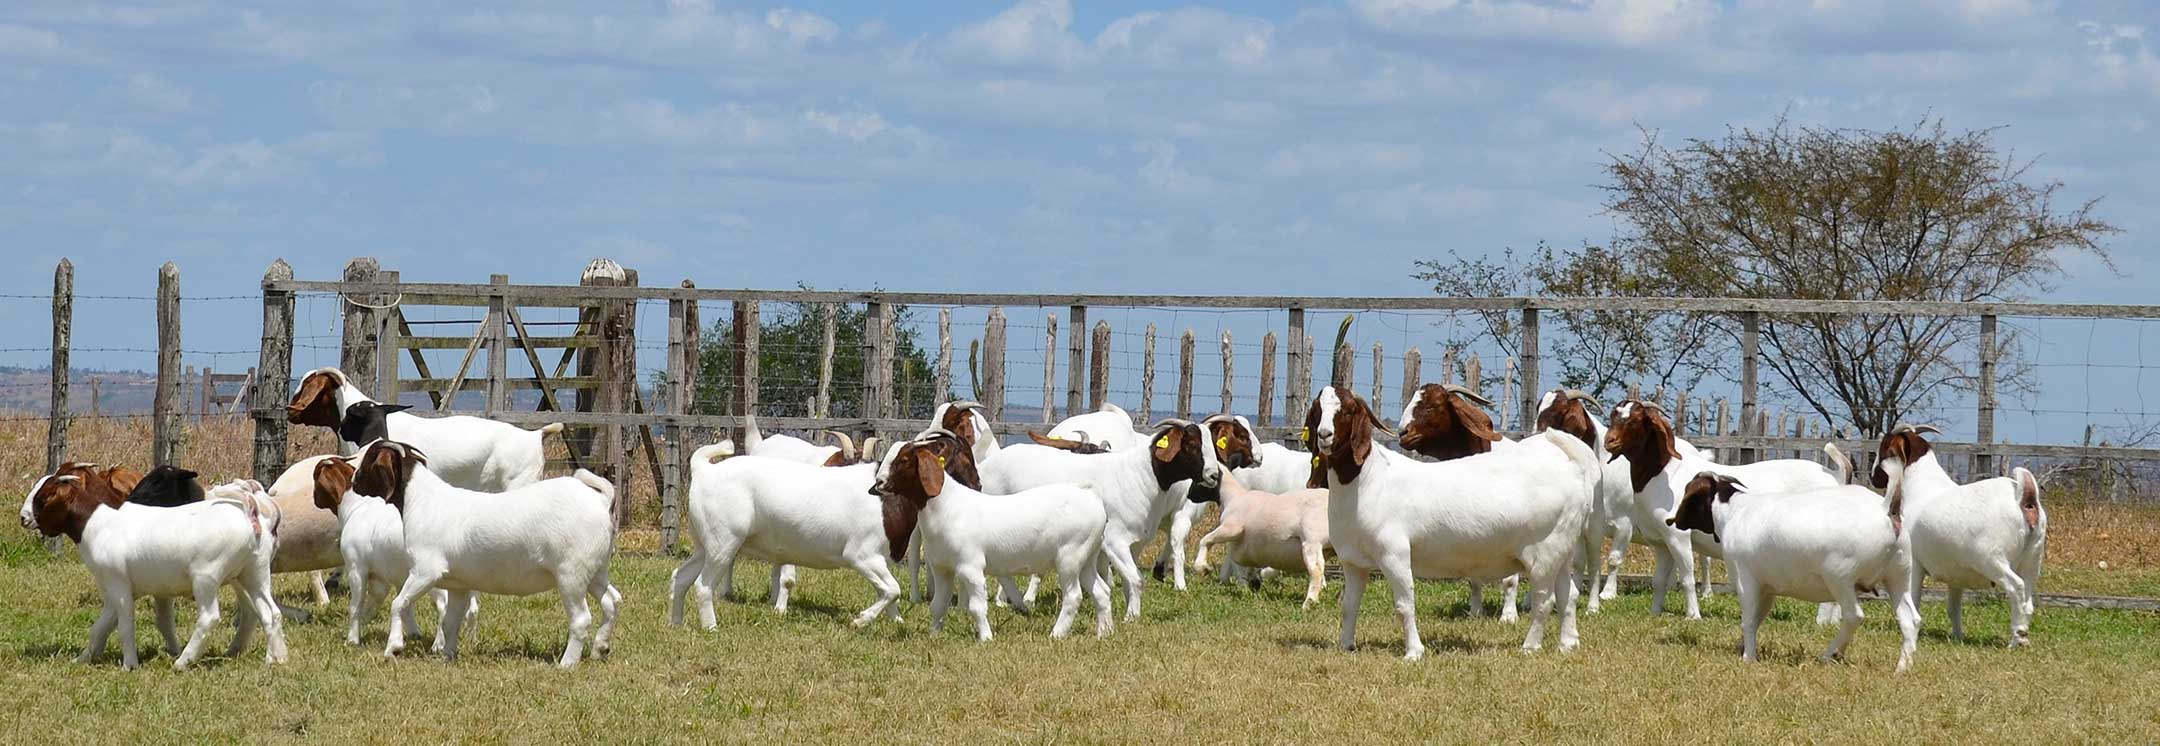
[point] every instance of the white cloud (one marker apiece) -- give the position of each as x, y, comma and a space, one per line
857, 127
800, 26
1415, 203
1632, 23
2123, 55
240, 164
1162, 173
657, 122
1030, 33
1352, 159
1187, 36
1607, 105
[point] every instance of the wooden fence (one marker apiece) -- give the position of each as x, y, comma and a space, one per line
595, 362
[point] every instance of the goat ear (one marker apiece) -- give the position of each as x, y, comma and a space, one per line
332, 478
388, 408
929, 472
1167, 445
316, 402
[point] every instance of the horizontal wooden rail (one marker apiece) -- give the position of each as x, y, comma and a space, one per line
468, 294
459, 343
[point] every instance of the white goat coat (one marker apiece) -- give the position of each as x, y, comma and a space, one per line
787, 513
968, 536
1660, 497
1816, 546
1281, 531
188, 551
470, 452
1974, 536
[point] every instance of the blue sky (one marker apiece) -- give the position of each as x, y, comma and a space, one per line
1042, 145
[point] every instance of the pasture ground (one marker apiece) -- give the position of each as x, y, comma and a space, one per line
1216, 664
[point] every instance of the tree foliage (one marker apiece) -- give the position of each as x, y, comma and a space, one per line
790, 339
1794, 211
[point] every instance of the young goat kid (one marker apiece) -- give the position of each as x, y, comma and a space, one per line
1822, 545
195, 549
968, 536
1990, 532
1284, 532
550, 535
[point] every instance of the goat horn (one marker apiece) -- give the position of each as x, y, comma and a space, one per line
1167, 421
847, 444
968, 404
869, 448
1212, 419
1466, 393
1581, 395
1647, 405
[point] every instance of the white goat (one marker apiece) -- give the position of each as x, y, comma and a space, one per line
1990, 532
1568, 410
469, 452
1117, 434
555, 534
1821, 545
371, 544
1484, 517
787, 513
968, 535
1134, 485
1445, 421
1286, 532
791, 448
1659, 472
134, 551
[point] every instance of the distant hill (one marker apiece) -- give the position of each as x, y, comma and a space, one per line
118, 391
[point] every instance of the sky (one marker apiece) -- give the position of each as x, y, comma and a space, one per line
1043, 145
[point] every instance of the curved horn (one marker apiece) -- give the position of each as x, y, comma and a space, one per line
967, 404
1168, 421
1581, 395
1212, 419
869, 449
847, 444
1466, 393
1651, 405
936, 432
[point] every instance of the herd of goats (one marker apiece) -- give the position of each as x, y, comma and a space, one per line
455, 506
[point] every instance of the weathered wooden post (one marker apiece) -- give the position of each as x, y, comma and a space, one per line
387, 339
1185, 375
1099, 367
1448, 365
1344, 361
1147, 375
1266, 413
876, 367
1377, 361
273, 375
993, 393
1750, 357
1049, 389
943, 382
1528, 368
1508, 390
607, 366
63, 326
1412, 374
204, 388
830, 320
1075, 361
356, 350
1983, 462
743, 399
496, 327
1473, 375
167, 437
1229, 374
1300, 376
680, 369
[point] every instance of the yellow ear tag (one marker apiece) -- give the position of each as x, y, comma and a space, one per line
1162, 442
1304, 435
941, 461
1316, 461
1222, 443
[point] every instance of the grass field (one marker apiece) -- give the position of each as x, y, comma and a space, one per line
1217, 664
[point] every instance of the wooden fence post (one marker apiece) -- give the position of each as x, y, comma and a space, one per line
874, 360
1185, 375
747, 329
1680, 414
1049, 392
1448, 366
831, 322
1300, 376
1266, 413
63, 332
1099, 367
1229, 374
273, 376
1750, 357
1343, 360
1983, 463
1508, 390
1413, 371
679, 370
496, 327
943, 382
1076, 360
1377, 361
356, 351
1147, 374
387, 341
167, 444
95, 411
1473, 375
1528, 369
203, 390
993, 393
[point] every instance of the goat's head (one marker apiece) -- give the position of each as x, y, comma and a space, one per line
1234, 440
385, 468
1181, 451
316, 402
915, 472
107, 485
959, 418
1900, 449
1446, 421
1339, 429
1696, 502
1079, 445
366, 422
167, 486
333, 478
1645, 437
1568, 411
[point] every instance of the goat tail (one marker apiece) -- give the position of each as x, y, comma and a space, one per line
709, 455
602, 486
751, 437
2028, 492
1839, 462
552, 428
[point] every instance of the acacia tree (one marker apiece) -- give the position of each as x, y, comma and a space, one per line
1794, 211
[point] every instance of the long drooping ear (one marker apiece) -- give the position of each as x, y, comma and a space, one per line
382, 472
1473, 418
316, 403
1166, 445
929, 472
1317, 477
123, 479
332, 478
901, 513
1354, 427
